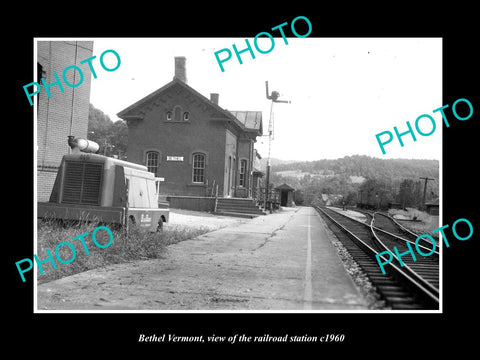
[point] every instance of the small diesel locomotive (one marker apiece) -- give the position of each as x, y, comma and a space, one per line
93, 187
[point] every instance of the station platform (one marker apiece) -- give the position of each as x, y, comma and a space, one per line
281, 262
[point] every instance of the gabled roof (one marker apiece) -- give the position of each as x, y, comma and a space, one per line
246, 120
284, 187
134, 110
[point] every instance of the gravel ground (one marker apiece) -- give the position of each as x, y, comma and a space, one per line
361, 280
351, 213
179, 217
426, 224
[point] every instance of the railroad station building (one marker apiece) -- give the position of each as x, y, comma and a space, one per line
196, 146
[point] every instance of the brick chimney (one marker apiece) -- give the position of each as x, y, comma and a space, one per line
214, 98
181, 68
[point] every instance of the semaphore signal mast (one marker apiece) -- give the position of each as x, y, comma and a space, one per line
274, 97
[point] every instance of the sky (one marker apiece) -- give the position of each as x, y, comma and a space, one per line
343, 91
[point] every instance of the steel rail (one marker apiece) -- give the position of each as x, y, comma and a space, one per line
408, 231
372, 215
419, 278
406, 276
376, 228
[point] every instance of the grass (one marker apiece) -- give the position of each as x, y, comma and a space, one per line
136, 245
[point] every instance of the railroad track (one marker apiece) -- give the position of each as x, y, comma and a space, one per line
385, 222
394, 236
411, 287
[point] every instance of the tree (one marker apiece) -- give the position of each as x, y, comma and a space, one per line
375, 193
298, 197
112, 137
406, 193
119, 138
351, 198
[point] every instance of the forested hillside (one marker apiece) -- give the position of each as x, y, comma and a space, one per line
367, 167
360, 178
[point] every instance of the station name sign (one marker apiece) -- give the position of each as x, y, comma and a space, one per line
174, 158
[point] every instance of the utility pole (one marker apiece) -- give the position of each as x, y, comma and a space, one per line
425, 190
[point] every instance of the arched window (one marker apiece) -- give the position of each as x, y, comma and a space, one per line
152, 161
198, 168
186, 116
169, 116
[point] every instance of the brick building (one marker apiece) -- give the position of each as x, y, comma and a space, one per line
198, 147
64, 113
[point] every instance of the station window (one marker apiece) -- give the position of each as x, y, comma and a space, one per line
169, 116
198, 174
186, 116
152, 161
242, 174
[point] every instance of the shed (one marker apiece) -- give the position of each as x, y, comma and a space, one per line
433, 207
285, 193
